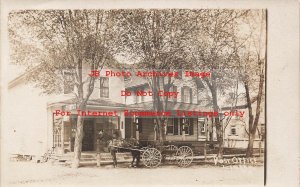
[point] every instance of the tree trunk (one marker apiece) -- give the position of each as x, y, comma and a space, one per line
162, 132
253, 127
249, 152
78, 141
219, 129
219, 136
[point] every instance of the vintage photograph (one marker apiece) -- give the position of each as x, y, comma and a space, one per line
137, 97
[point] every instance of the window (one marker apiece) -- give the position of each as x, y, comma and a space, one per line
180, 74
175, 126
233, 131
170, 126
139, 124
139, 98
104, 87
68, 83
262, 128
114, 122
57, 136
187, 124
200, 98
186, 95
136, 97
262, 131
202, 127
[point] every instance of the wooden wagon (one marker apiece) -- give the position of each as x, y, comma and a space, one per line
153, 156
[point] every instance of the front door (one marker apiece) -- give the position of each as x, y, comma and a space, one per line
130, 128
88, 135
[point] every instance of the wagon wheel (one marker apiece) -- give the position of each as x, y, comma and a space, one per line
184, 156
151, 157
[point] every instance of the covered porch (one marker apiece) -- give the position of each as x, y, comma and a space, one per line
64, 127
177, 128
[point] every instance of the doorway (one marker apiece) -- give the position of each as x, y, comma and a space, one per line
88, 135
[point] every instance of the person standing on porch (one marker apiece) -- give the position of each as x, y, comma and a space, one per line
100, 139
113, 144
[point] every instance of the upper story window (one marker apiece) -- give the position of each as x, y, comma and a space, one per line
186, 94
104, 87
233, 130
68, 83
139, 96
199, 97
174, 89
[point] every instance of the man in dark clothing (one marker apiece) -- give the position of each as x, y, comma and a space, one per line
136, 155
113, 146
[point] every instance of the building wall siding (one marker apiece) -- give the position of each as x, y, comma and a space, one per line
26, 121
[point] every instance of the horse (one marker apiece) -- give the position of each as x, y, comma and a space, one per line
136, 154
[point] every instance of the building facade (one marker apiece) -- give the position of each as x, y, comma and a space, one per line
179, 127
41, 118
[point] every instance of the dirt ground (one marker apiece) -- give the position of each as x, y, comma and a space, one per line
45, 174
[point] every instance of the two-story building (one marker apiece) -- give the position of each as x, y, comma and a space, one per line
192, 96
179, 126
37, 122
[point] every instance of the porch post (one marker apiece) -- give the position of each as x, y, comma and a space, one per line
206, 138
70, 143
131, 128
98, 153
62, 136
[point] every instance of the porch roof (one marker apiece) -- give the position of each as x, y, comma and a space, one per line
92, 103
171, 106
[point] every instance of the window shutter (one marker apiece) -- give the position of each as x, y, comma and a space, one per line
182, 94
176, 126
198, 97
175, 90
191, 95
140, 125
101, 83
191, 128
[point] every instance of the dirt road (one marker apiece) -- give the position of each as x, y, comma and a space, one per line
33, 174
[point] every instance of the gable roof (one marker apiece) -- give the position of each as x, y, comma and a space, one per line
135, 81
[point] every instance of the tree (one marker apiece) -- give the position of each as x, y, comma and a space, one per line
156, 39
62, 44
252, 67
212, 48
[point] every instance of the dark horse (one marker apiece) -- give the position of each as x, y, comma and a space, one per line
136, 154
116, 144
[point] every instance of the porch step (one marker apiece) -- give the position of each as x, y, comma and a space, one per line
91, 159
70, 156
